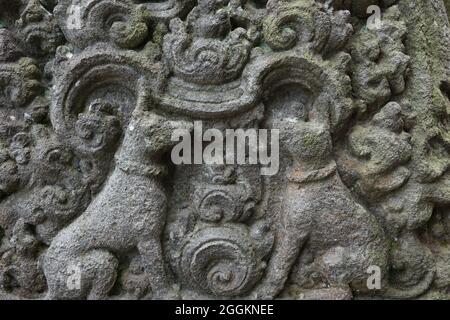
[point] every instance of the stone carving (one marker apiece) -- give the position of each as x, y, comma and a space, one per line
88, 22
19, 75
380, 64
133, 220
206, 50
293, 23
38, 29
92, 207
224, 246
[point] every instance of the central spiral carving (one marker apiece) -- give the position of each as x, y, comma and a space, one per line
220, 261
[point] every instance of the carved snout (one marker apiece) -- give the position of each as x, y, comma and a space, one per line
156, 130
306, 141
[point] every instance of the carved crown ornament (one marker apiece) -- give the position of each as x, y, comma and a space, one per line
92, 207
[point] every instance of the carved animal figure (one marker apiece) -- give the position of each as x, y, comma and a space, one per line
318, 210
128, 213
336, 238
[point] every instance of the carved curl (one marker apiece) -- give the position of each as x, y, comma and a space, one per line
92, 21
300, 23
221, 261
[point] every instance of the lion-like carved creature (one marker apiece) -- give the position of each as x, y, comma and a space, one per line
128, 213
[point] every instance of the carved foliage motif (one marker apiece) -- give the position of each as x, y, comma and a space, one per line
91, 91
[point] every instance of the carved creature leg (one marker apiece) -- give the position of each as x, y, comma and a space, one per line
102, 266
90, 276
152, 257
286, 251
61, 270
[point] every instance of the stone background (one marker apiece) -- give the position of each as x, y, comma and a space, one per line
93, 207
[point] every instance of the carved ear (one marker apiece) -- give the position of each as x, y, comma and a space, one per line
341, 31
176, 25
389, 117
358, 143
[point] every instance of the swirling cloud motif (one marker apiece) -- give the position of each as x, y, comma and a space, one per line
305, 23
205, 50
121, 21
88, 22
221, 261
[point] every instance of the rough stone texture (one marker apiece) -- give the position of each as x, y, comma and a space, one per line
87, 109
447, 5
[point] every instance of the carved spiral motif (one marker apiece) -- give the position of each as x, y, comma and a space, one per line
220, 261
118, 20
206, 60
91, 91
107, 81
227, 204
206, 57
58, 202
280, 31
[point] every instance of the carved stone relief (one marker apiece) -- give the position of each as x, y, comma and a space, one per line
93, 207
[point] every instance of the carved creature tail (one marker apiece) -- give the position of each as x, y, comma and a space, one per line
412, 292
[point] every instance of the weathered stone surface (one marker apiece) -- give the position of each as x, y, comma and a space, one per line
92, 207
447, 5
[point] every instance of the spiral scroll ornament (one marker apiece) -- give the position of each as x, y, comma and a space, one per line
220, 261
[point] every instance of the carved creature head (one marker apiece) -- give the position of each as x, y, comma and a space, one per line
210, 19
40, 31
99, 128
304, 130
147, 138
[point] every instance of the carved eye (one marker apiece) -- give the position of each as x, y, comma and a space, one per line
21, 156
249, 209
300, 111
85, 129
21, 139
58, 156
